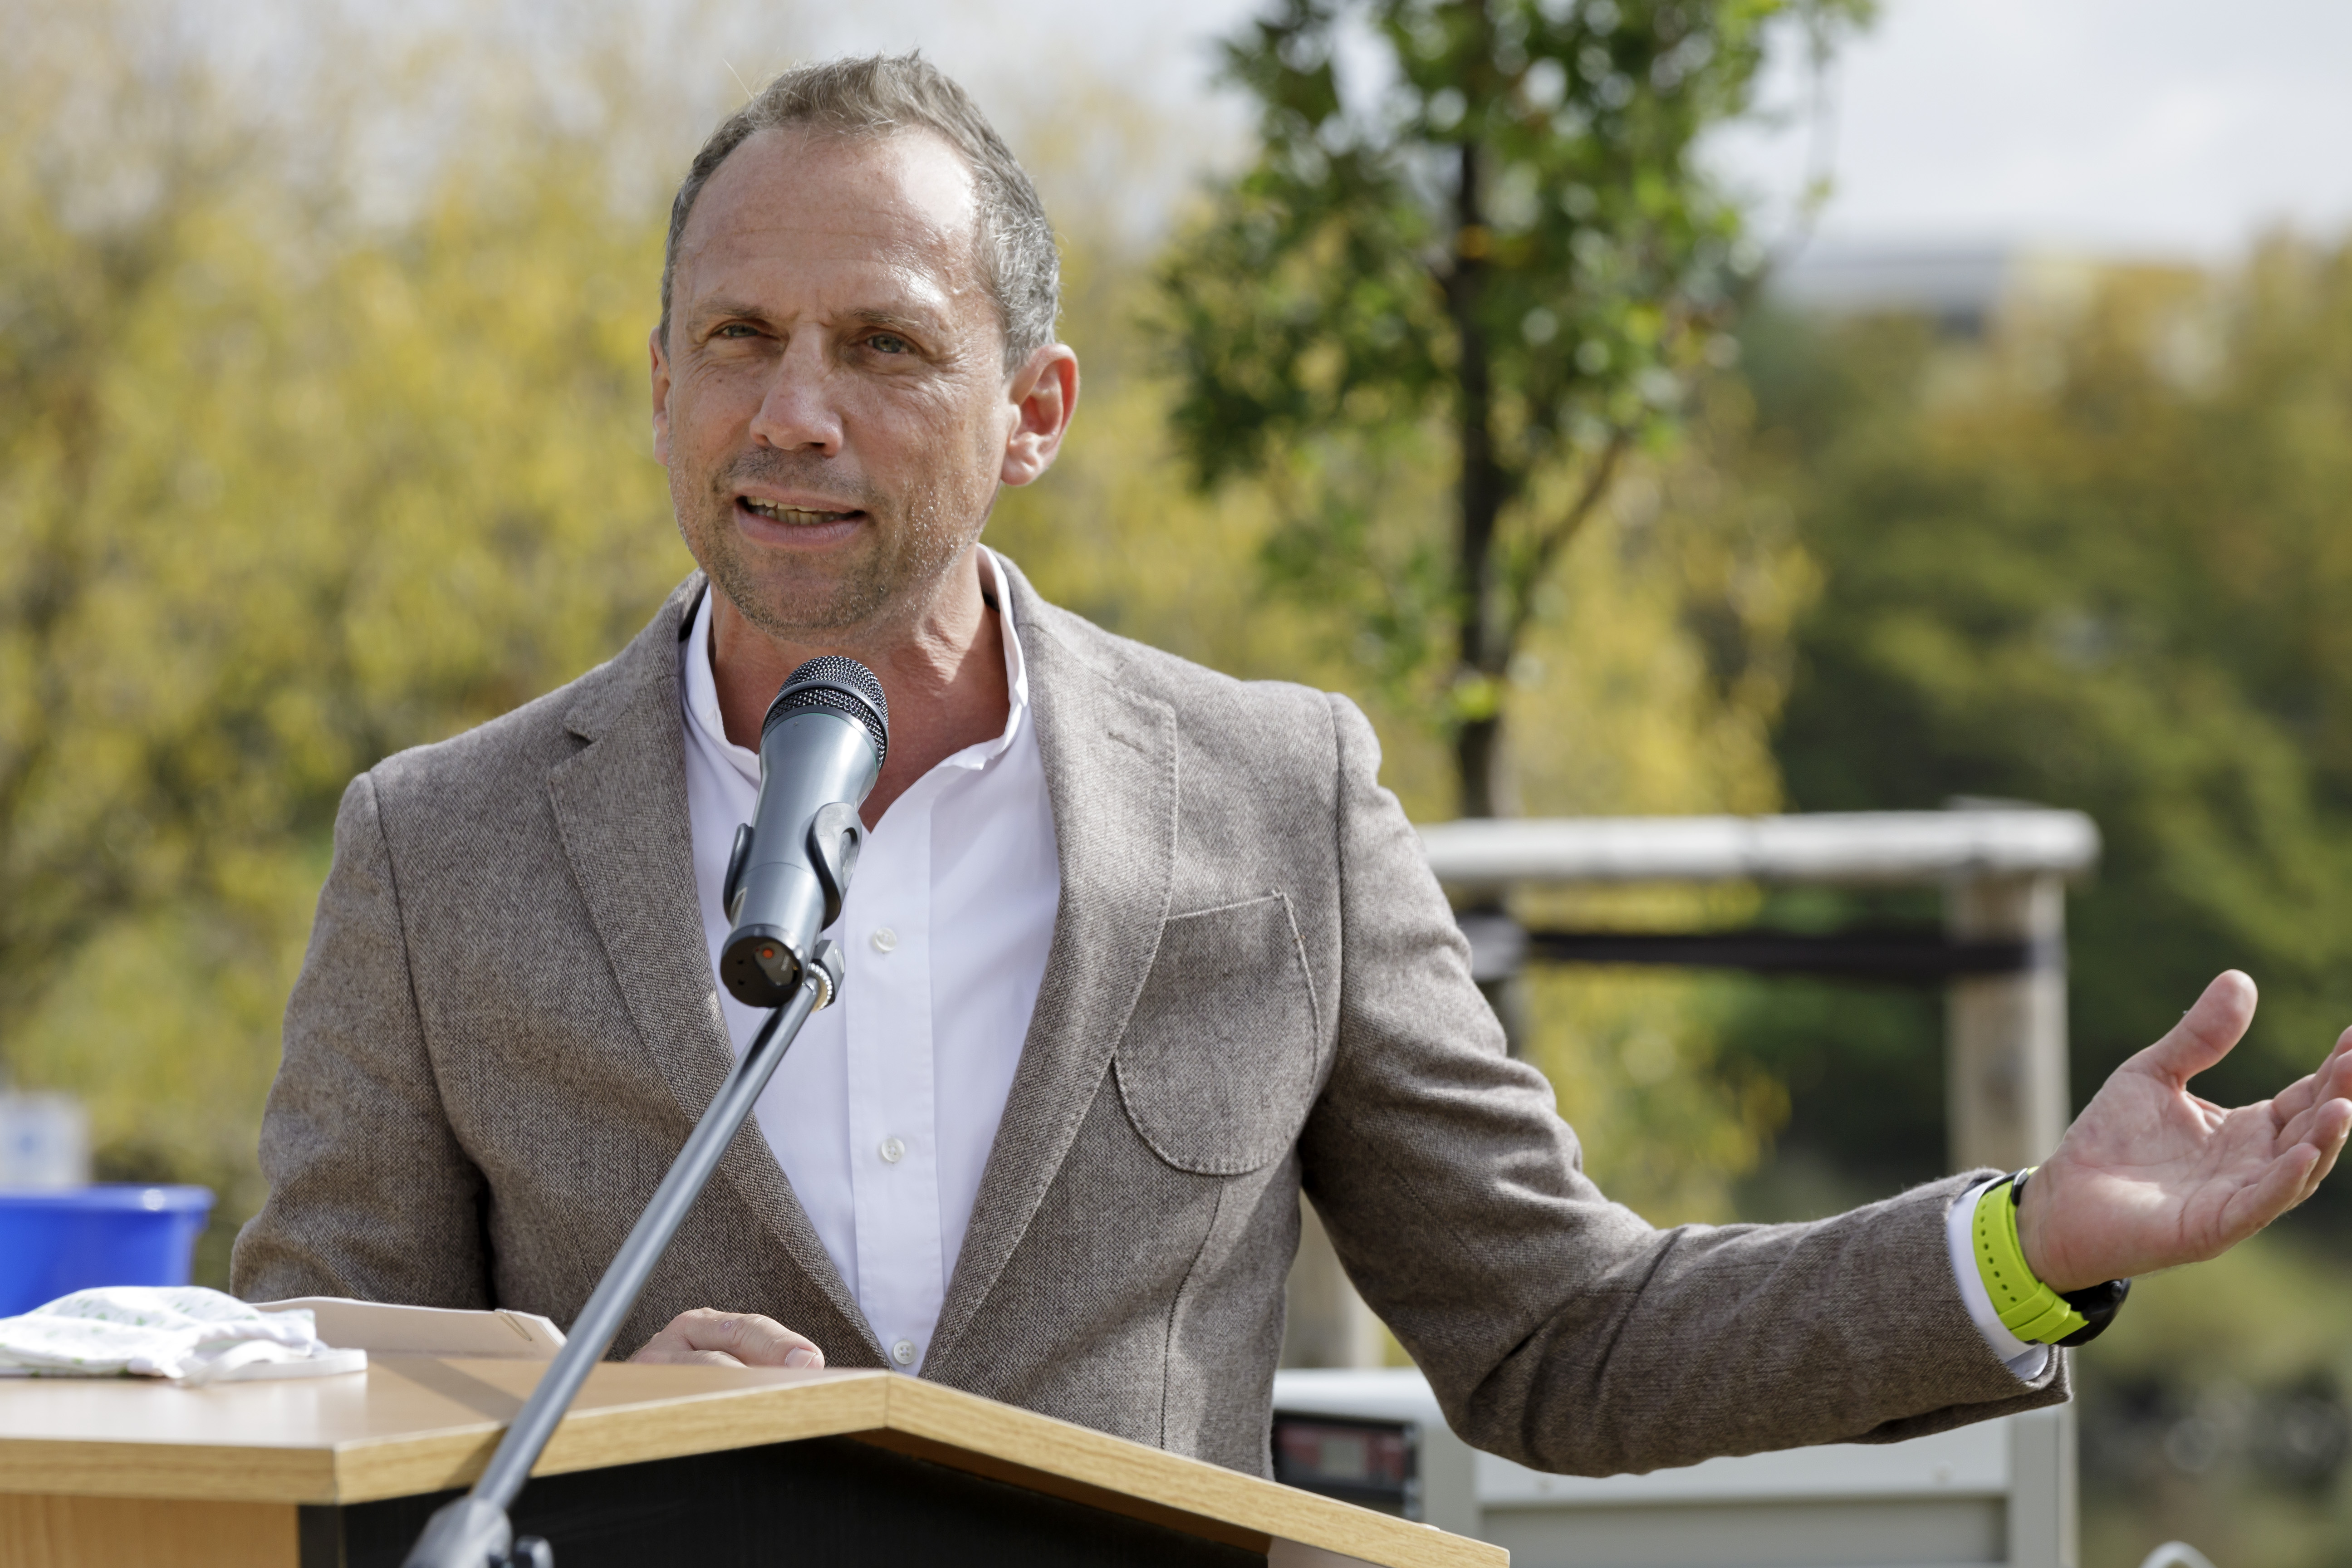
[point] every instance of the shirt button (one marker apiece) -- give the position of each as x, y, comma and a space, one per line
893, 1151
903, 1352
885, 938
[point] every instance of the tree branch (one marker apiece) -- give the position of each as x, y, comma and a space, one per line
1595, 488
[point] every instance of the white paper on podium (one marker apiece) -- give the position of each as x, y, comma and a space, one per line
382, 1328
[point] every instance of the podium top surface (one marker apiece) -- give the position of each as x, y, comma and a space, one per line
413, 1425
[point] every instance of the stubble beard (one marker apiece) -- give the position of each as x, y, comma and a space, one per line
910, 547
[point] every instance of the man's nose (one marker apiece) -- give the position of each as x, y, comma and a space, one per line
797, 411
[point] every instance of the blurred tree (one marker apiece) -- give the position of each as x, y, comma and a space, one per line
1474, 229
2097, 558
284, 486
91, 811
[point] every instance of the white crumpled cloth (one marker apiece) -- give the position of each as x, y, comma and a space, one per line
180, 1331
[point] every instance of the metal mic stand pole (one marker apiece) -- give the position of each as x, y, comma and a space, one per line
474, 1530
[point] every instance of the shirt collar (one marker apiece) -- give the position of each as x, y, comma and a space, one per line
701, 687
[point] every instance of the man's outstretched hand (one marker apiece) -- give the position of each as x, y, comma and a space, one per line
2151, 1177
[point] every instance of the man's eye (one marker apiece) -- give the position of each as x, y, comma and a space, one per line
890, 343
735, 330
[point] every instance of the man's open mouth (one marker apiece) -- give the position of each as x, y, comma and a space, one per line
792, 516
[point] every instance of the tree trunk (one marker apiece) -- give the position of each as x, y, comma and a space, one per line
1485, 645
1478, 766
1477, 754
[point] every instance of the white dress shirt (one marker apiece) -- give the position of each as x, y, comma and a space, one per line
882, 1112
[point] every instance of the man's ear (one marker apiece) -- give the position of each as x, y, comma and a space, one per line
1045, 396
661, 396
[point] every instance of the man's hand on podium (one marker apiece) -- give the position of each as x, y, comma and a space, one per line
705, 1338
2150, 1176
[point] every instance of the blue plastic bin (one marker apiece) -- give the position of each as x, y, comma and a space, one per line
54, 1243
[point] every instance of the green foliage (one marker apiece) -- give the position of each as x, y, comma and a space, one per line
1485, 247
1318, 300
2098, 559
283, 488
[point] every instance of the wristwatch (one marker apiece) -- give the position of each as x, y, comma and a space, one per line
2028, 1307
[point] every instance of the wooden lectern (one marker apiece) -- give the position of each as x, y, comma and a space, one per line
707, 1467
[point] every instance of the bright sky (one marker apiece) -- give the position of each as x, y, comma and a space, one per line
2138, 125
2160, 125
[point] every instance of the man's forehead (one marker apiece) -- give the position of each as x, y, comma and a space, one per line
905, 200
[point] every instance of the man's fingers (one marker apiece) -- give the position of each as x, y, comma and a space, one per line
671, 1348
2322, 1126
2331, 1124
2332, 1080
756, 1340
2208, 1030
2279, 1188
2296, 1099
2293, 1107
2293, 1175
707, 1338
762, 1342
2297, 1127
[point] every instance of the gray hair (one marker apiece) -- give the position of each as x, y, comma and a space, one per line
878, 94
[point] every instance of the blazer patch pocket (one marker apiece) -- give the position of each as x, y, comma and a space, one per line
1217, 1064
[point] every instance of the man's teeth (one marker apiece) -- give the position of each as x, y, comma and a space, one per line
793, 514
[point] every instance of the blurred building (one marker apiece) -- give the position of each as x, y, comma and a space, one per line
1964, 289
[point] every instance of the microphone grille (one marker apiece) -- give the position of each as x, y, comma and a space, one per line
835, 685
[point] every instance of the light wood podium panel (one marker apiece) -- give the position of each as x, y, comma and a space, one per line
727, 1465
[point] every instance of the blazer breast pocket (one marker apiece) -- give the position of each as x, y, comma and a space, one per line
1218, 1063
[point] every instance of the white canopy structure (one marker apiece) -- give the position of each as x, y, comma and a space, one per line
1841, 849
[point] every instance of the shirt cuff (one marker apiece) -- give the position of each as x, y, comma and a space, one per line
2026, 1361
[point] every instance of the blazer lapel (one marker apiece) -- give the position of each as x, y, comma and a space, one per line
1109, 759
620, 807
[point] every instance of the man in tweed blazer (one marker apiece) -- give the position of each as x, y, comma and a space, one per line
508, 1020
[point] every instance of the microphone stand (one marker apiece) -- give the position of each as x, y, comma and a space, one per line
474, 1532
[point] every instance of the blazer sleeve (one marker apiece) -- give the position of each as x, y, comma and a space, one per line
1557, 1328
371, 1195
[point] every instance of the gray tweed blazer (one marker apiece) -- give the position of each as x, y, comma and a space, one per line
506, 1023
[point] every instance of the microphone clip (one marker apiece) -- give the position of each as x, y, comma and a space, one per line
837, 835
730, 891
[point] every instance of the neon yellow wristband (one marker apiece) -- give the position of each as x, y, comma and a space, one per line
2027, 1307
